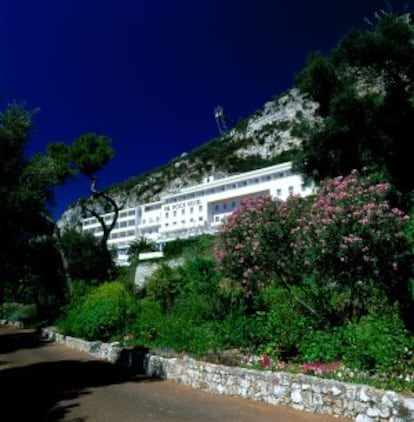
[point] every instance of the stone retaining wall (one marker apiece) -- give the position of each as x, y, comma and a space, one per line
356, 402
110, 352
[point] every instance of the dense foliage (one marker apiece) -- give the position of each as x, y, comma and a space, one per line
85, 257
24, 197
32, 265
365, 92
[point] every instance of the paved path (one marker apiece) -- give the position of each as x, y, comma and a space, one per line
42, 381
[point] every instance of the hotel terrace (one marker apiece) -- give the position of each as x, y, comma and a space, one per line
196, 209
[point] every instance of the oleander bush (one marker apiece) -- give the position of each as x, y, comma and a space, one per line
352, 248
338, 253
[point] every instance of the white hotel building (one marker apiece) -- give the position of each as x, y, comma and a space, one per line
197, 209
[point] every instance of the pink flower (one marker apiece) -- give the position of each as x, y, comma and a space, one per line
266, 361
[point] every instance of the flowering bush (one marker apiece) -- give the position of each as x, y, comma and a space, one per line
352, 247
253, 246
345, 248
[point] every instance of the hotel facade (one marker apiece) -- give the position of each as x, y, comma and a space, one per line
196, 209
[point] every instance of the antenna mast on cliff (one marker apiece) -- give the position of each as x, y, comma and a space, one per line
221, 120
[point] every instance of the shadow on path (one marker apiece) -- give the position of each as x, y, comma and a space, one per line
12, 339
33, 392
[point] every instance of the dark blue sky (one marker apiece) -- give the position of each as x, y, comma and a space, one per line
148, 73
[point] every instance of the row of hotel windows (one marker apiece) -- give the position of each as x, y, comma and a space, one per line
174, 213
122, 234
113, 235
192, 220
231, 186
122, 214
119, 225
225, 206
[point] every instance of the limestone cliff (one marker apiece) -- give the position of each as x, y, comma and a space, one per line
262, 139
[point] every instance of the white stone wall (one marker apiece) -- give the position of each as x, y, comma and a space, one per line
109, 352
357, 402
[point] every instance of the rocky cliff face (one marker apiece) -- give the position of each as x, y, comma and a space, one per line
262, 139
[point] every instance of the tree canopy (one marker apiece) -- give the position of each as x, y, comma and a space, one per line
365, 92
26, 197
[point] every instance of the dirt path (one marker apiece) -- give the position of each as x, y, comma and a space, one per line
49, 382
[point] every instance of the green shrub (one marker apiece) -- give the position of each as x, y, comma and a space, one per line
198, 245
239, 330
163, 286
377, 343
183, 334
104, 312
87, 259
148, 322
283, 322
321, 345
13, 311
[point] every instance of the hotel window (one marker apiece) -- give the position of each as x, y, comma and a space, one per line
279, 192
166, 215
131, 223
182, 221
200, 218
191, 210
216, 207
174, 213
291, 190
216, 218
224, 206
233, 205
183, 211
200, 208
303, 187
